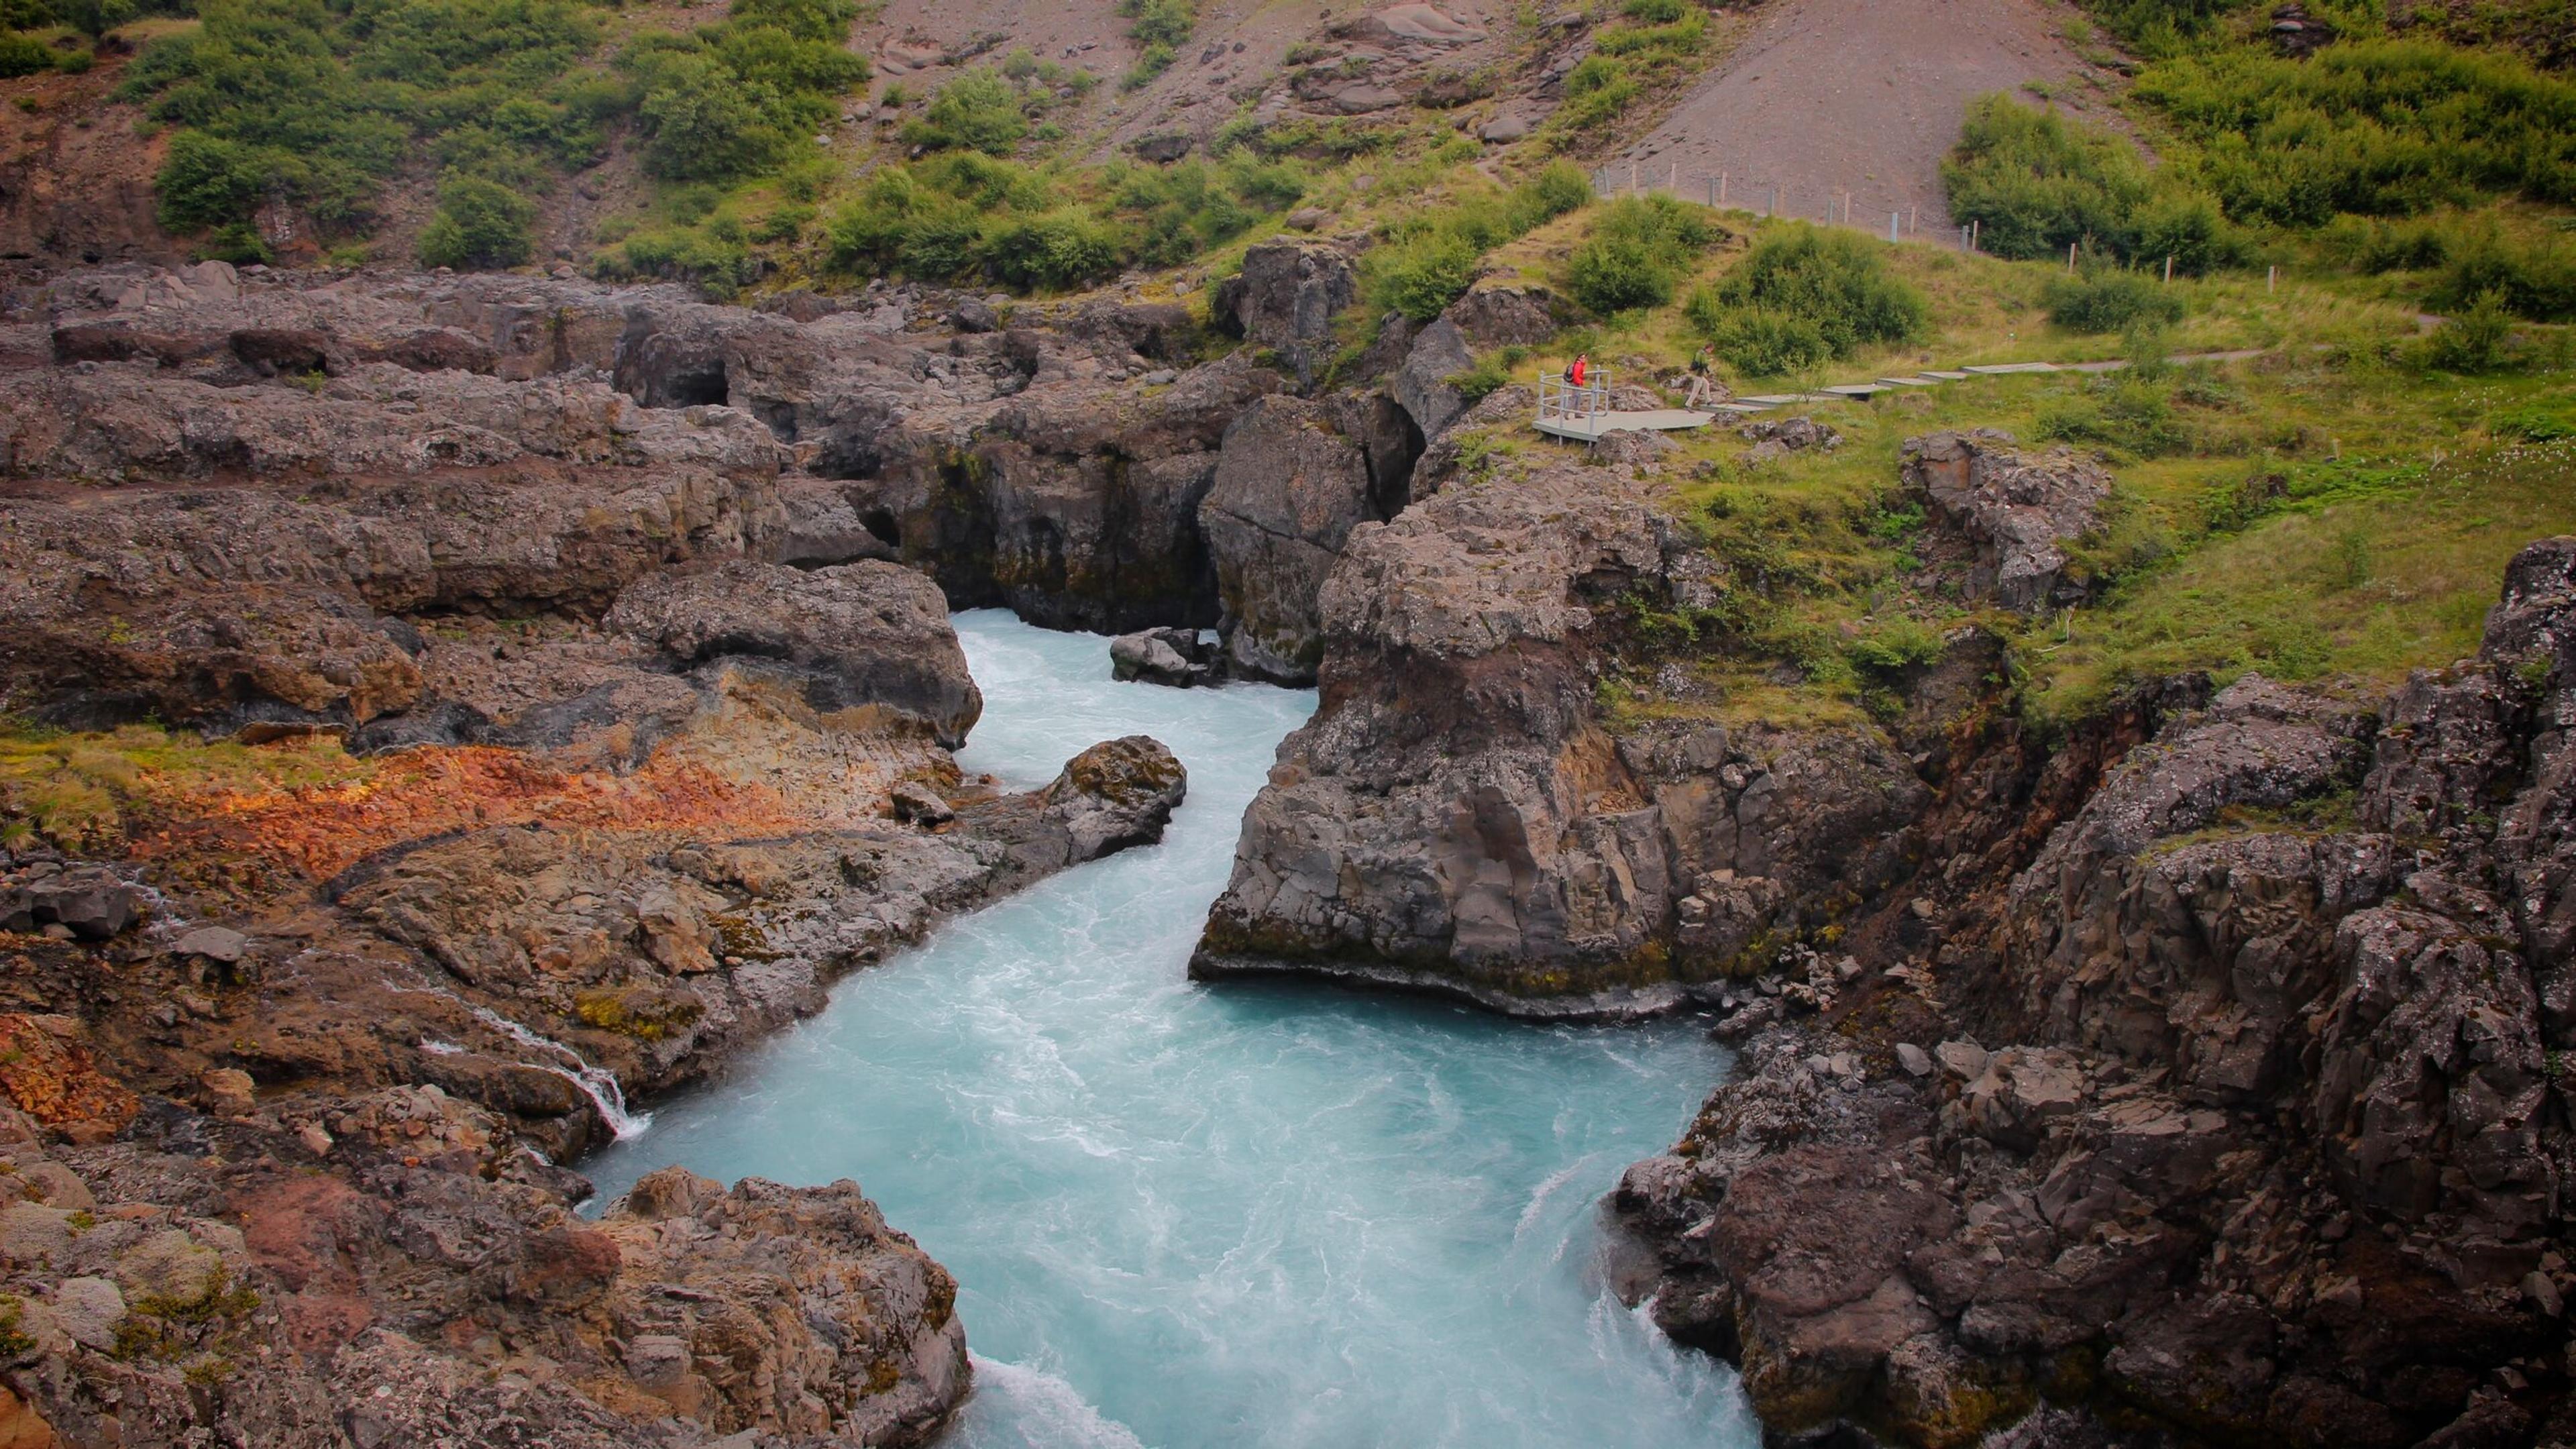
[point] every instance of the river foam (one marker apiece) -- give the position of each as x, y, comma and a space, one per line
1264, 1214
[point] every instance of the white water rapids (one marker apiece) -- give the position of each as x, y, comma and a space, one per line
1240, 1215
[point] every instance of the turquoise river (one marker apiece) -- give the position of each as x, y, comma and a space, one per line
1270, 1215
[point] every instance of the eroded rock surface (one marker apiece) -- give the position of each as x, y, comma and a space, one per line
577, 729
2018, 511
1455, 817
2226, 1113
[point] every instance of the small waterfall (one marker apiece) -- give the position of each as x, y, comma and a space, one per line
596, 1083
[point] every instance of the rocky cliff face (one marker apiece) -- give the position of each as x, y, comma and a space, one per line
645, 743
1457, 817
2227, 1110
2188, 1079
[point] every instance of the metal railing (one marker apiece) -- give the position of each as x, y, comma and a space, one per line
1562, 401
1829, 205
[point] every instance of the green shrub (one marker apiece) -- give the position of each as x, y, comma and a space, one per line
1894, 646
1558, 188
1159, 22
24, 55
25, 15
206, 181
1059, 249
1637, 252
1758, 342
978, 111
2371, 246
2104, 300
2479, 339
2532, 279
1596, 92
1656, 12
1834, 282
2370, 127
702, 125
822, 20
1422, 276
479, 224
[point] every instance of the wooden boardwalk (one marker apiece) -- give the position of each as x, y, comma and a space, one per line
1584, 415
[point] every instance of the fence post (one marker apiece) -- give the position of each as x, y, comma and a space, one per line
1913, 218
1632, 178
1891, 225
1675, 185
2271, 275
1972, 233
2070, 256
1963, 237
1721, 188
1712, 195
2168, 269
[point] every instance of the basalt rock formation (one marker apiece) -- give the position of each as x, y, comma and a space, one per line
1456, 817
555, 724
2186, 1079
2239, 1118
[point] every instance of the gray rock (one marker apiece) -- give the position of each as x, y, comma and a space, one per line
1285, 298
215, 943
1175, 657
1422, 385
2015, 511
855, 636
89, 1309
1289, 489
1504, 129
1915, 1060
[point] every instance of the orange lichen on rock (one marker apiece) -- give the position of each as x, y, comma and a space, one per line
323, 829
53, 1081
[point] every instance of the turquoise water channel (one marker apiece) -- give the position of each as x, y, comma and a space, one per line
1235, 1215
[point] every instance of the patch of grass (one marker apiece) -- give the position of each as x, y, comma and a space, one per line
89, 792
1431, 256
2356, 572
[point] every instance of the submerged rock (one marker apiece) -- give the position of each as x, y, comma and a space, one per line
1177, 657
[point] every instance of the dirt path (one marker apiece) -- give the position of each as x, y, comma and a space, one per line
1865, 95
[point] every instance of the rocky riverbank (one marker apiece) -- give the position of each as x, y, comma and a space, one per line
2188, 1078
481, 722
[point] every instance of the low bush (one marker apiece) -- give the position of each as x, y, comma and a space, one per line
2369, 127
1805, 287
479, 224
1758, 342
2478, 339
2108, 300
978, 111
24, 55
2035, 182
2535, 280
1638, 250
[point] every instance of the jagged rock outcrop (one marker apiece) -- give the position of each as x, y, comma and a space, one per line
1289, 488
2243, 1123
1457, 818
1285, 299
2016, 511
1074, 503
411, 1277
621, 792
854, 636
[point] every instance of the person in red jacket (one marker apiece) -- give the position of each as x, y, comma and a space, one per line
1582, 369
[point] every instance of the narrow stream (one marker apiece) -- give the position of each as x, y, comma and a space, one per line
1184, 1216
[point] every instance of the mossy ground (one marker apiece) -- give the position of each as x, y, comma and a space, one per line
2329, 509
